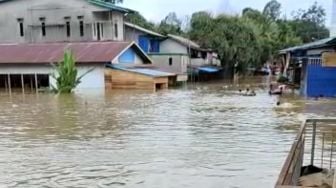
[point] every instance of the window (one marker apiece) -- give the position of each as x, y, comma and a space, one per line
116, 30
68, 29
68, 26
21, 28
43, 26
170, 61
81, 25
81, 28
98, 31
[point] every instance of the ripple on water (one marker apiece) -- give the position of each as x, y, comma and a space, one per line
204, 136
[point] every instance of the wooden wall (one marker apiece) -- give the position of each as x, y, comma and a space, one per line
119, 79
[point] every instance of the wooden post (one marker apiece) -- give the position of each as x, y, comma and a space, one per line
36, 86
288, 57
9, 84
31, 83
6, 87
22, 84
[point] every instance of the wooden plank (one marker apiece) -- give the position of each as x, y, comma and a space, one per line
9, 83
22, 84
286, 169
36, 84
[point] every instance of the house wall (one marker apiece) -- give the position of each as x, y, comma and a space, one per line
120, 79
171, 46
54, 13
179, 62
132, 34
318, 52
320, 81
93, 80
147, 43
127, 57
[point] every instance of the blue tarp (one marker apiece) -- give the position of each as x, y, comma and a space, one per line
209, 69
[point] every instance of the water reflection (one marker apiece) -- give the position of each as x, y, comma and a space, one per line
203, 135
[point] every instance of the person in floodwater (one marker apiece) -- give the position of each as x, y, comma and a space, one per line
253, 93
247, 91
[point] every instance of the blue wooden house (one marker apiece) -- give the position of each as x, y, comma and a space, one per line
312, 66
149, 41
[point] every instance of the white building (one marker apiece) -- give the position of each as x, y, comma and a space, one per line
28, 66
62, 20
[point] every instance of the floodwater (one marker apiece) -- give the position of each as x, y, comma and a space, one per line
199, 136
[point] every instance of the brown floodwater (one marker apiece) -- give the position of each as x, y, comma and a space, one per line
201, 135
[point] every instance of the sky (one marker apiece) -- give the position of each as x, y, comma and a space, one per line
156, 10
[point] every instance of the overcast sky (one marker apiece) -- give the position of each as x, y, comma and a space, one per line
155, 10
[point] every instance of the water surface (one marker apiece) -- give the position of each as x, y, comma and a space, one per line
200, 136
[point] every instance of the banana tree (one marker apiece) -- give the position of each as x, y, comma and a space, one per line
66, 74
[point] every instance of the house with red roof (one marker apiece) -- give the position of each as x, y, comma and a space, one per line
35, 34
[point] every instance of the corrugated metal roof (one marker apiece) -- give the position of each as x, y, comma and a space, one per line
109, 5
316, 44
147, 31
144, 71
84, 52
184, 41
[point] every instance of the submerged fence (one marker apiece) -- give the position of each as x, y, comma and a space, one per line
315, 144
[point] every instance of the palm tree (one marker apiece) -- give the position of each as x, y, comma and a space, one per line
66, 73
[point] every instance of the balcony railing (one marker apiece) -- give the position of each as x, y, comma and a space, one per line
313, 145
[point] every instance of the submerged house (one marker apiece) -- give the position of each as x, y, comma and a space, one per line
200, 64
174, 54
150, 42
32, 21
312, 67
35, 33
28, 66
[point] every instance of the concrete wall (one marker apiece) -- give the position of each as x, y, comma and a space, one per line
132, 34
54, 13
179, 63
171, 46
93, 80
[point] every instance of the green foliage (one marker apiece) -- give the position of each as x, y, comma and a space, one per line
138, 19
250, 40
309, 24
66, 74
254, 38
282, 79
272, 10
170, 25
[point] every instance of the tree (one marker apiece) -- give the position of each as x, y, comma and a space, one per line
138, 19
310, 24
272, 10
201, 24
170, 25
66, 74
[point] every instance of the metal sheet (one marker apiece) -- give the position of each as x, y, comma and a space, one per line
84, 52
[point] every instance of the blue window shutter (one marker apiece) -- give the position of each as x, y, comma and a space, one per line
155, 46
144, 43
